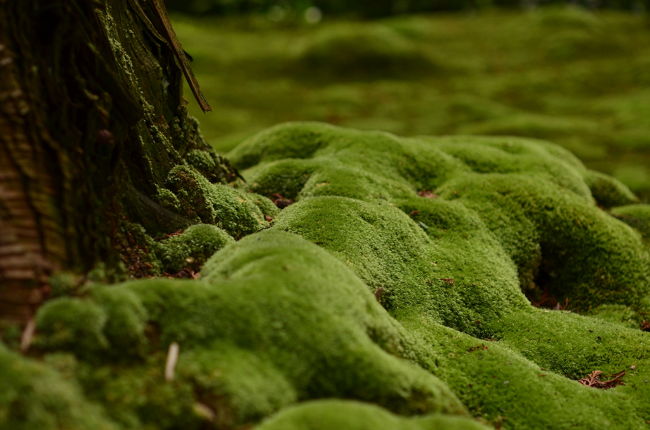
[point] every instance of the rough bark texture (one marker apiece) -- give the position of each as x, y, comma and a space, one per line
91, 121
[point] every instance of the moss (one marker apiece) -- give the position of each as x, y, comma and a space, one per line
635, 176
125, 327
361, 52
246, 341
280, 142
64, 283
566, 17
608, 191
334, 414
528, 124
266, 206
530, 196
637, 216
397, 279
245, 386
34, 396
191, 248
619, 314
230, 209
397, 256
528, 379
506, 213
286, 177
72, 324
139, 397
574, 32
168, 200
575, 345
208, 163
136, 248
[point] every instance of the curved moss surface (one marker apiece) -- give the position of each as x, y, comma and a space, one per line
333, 414
408, 281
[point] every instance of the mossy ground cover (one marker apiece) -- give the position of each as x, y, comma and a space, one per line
579, 79
395, 291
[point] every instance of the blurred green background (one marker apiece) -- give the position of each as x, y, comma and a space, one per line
578, 76
382, 8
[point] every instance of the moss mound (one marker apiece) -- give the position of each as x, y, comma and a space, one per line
574, 32
407, 273
191, 248
237, 212
361, 52
637, 216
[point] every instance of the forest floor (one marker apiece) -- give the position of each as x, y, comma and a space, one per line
565, 75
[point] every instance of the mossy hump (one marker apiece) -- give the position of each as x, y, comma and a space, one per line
532, 203
361, 52
397, 283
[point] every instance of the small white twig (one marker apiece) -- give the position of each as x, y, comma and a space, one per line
172, 358
28, 335
204, 411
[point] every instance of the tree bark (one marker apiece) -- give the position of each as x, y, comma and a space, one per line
91, 121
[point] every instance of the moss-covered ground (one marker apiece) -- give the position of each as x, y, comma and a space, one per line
579, 79
401, 283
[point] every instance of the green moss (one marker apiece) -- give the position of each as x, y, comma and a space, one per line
398, 278
191, 248
246, 340
72, 324
230, 209
280, 142
64, 283
246, 386
137, 253
530, 196
332, 414
208, 163
354, 52
619, 314
397, 256
566, 17
34, 396
527, 124
608, 191
635, 176
507, 384
575, 346
168, 200
265, 205
637, 216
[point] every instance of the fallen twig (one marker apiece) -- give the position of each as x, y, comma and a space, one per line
172, 358
28, 335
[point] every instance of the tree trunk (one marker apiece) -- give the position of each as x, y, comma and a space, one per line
91, 121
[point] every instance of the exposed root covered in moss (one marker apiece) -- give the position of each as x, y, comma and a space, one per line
396, 278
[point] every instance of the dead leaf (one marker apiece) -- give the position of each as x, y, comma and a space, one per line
379, 293
594, 380
428, 194
280, 201
477, 347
